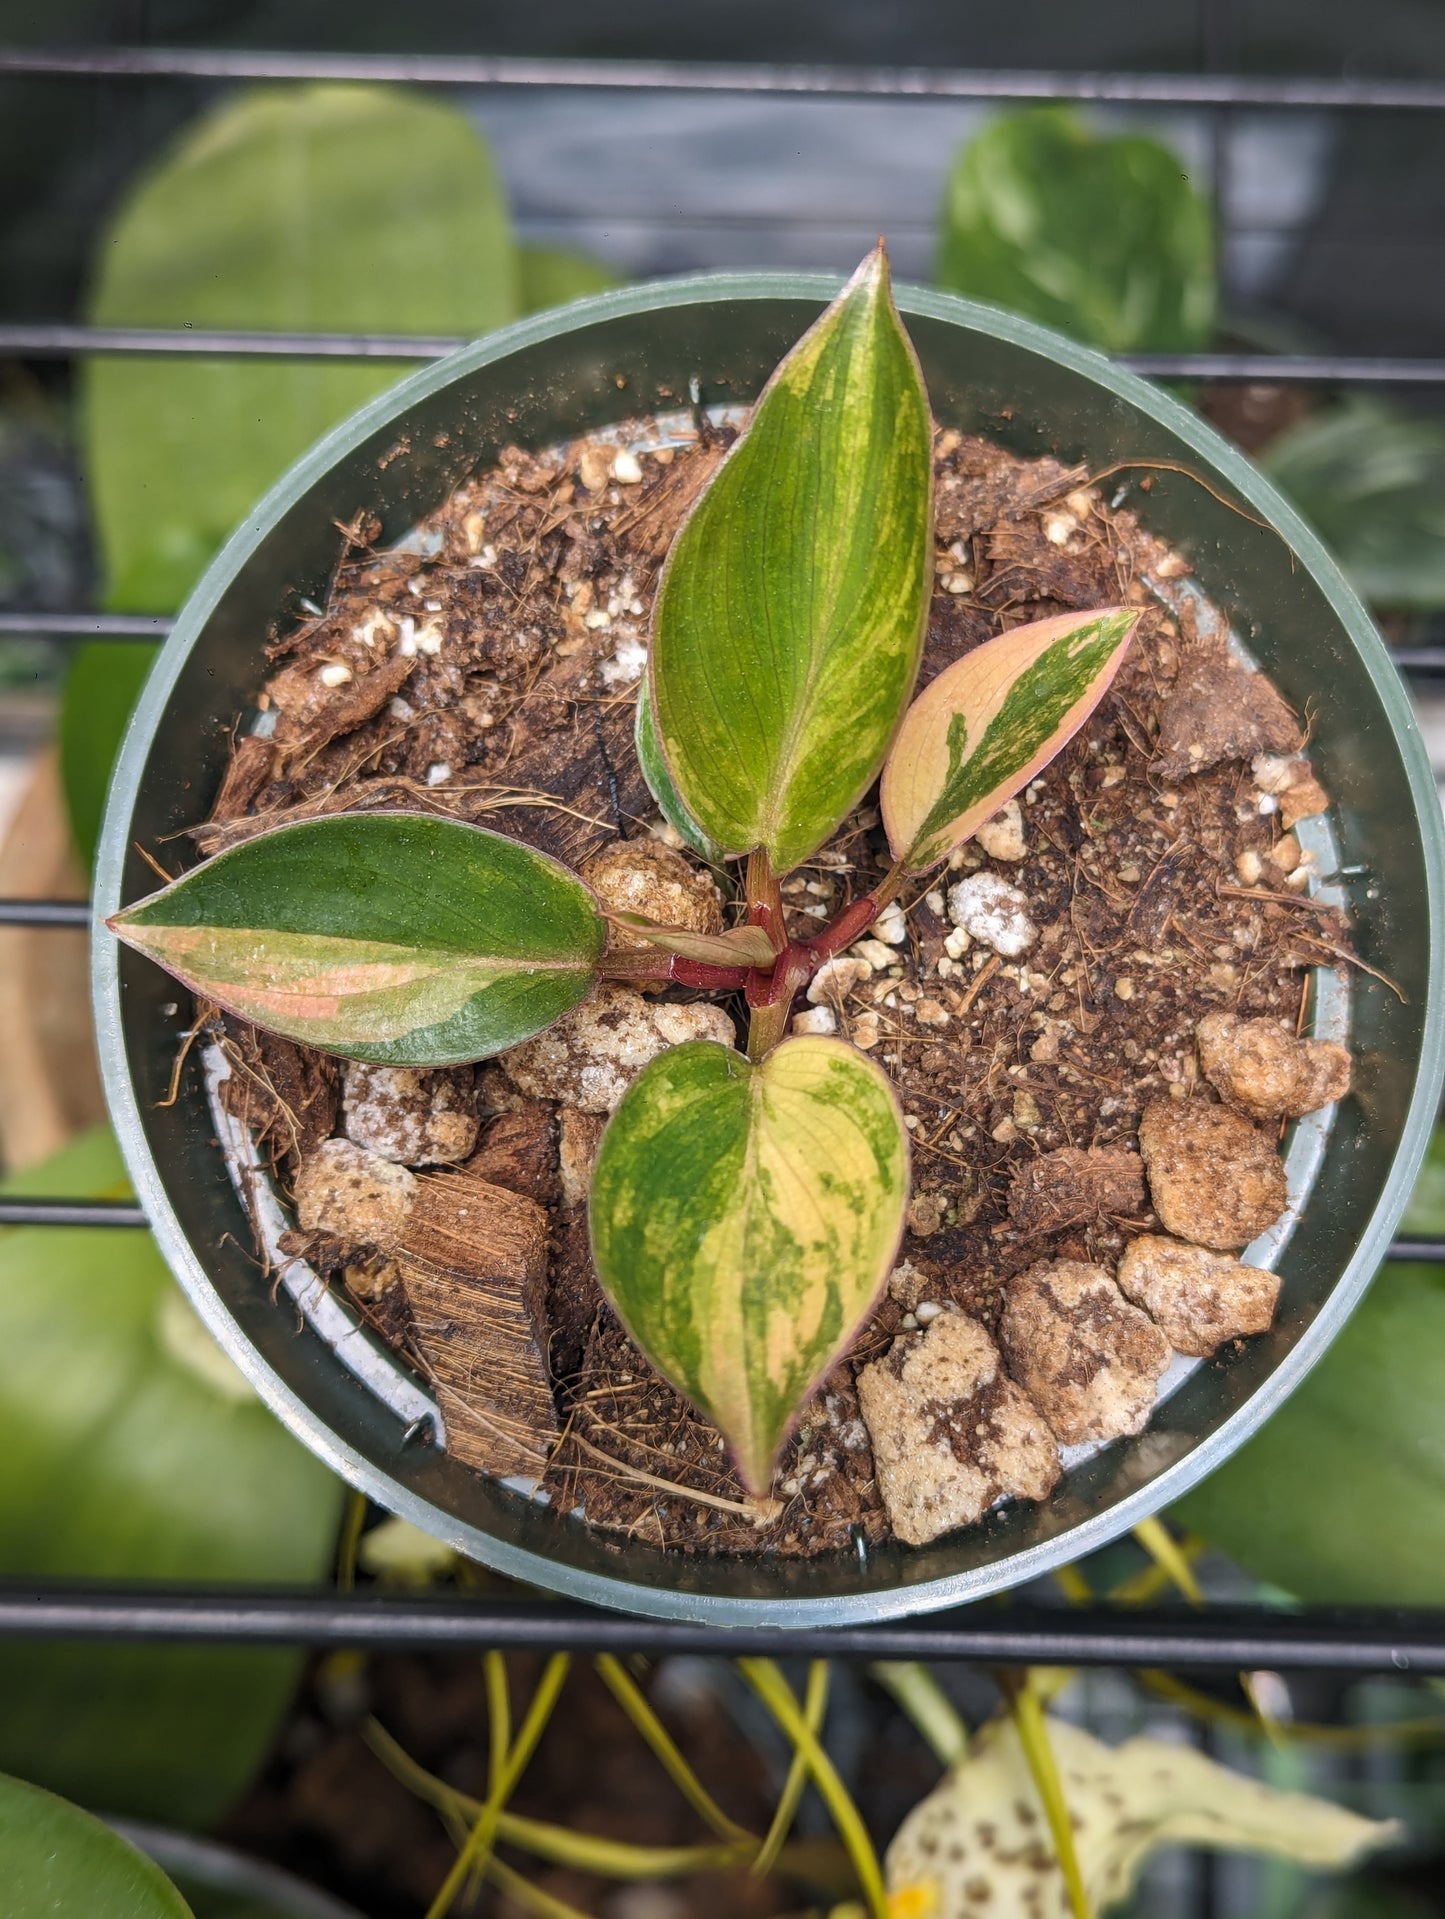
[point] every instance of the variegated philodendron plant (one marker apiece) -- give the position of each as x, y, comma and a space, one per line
746, 1208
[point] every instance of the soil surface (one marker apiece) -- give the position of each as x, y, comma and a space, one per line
488, 670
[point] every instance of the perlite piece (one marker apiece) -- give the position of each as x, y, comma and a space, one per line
1198, 1299
589, 1058
1215, 1179
1089, 1360
951, 1431
1259, 1067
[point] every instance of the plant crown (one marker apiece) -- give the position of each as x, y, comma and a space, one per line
746, 1208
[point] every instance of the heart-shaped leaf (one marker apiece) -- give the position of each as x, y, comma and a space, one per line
1102, 237
789, 618
57, 1862
985, 726
395, 937
659, 782
743, 1218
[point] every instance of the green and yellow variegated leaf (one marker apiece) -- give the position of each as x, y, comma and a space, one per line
395, 937
659, 782
743, 1219
738, 946
982, 1824
790, 615
988, 723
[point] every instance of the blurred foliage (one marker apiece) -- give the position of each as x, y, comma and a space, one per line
56, 1862
322, 209
1103, 238
1340, 1499
131, 1449
554, 276
1372, 482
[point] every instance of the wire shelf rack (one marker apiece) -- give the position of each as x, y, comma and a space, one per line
1343, 1641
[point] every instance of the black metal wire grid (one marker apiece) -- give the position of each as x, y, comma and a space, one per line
1339, 1640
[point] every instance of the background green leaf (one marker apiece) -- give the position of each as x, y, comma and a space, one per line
321, 208
789, 617
1340, 1499
121, 1460
101, 688
1372, 482
316, 208
743, 1218
399, 937
554, 276
1103, 238
56, 1862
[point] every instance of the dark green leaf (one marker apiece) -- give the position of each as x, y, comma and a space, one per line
1340, 1499
326, 208
57, 1862
397, 937
1104, 239
1372, 481
131, 1450
101, 687
743, 1218
789, 617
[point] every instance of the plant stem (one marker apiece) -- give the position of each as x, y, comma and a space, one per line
765, 898
1027, 1713
815, 1705
932, 1713
529, 1897
351, 1525
1164, 1549
776, 1694
633, 1702
475, 1854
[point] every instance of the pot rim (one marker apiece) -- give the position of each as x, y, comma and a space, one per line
625, 1594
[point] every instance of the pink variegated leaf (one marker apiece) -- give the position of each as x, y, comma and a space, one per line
981, 731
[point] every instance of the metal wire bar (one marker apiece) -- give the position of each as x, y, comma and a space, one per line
44, 912
70, 1212
43, 624
1231, 1639
97, 1212
45, 340
679, 76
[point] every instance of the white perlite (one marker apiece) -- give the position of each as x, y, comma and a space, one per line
992, 912
1002, 837
590, 1057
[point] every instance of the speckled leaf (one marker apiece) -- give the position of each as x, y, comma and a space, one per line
978, 733
57, 1862
396, 937
790, 615
743, 1219
659, 782
982, 1825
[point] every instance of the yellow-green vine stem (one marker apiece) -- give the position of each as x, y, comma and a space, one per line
815, 1706
477, 1851
1027, 1712
629, 1695
777, 1695
928, 1708
1164, 1549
